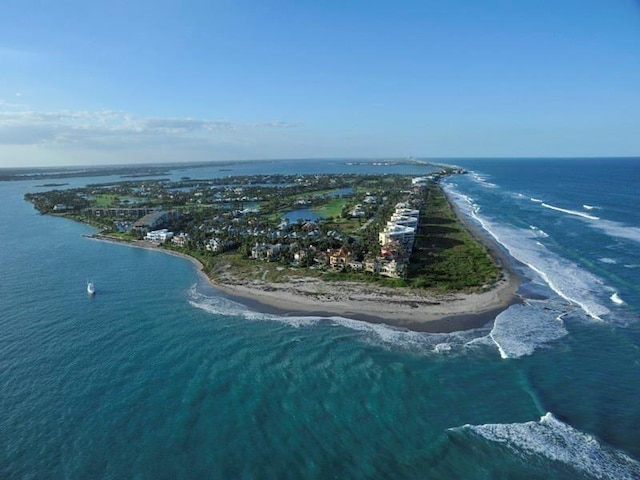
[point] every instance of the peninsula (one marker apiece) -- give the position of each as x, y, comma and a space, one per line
380, 248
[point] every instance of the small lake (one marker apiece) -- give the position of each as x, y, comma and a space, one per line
301, 214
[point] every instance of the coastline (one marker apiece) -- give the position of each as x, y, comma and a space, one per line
422, 311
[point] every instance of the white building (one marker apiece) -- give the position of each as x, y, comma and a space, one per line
407, 212
403, 220
404, 235
159, 236
420, 181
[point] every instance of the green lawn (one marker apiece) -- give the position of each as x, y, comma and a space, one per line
108, 200
333, 208
445, 255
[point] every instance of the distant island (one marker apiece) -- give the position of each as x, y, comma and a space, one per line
382, 248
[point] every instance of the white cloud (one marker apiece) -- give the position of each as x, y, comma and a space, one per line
109, 129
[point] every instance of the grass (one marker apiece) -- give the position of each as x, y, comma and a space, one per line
446, 256
349, 226
107, 200
333, 208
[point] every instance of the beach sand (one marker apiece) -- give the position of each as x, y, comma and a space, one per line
416, 310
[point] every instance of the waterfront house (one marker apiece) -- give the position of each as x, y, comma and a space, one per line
159, 236
338, 258
181, 239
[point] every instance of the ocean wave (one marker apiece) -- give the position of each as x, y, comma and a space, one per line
570, 212
220, 305
556, 441
590, 207
377, 334
540, 233
521, 329
615, 298
618, 230
609, 261
564, 277
535, 200
482, 180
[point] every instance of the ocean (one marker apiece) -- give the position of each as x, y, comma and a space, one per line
161, 376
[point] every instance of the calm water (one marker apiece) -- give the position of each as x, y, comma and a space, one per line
159, 376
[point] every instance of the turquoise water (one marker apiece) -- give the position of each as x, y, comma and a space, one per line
160, 376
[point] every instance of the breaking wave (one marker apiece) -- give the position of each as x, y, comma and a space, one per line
616, 299
377, 334
556, 441
521, 329
570, 212
541, 233
482, 180
619, 230
607, 260
564, 277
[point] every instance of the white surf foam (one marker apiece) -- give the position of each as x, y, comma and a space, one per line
535, 200
570, 212
541, 233
521, 329
618, 230
564, 277
616, 299
219, 305
607, 260
589, 207
482, 180
552, 439
378, 334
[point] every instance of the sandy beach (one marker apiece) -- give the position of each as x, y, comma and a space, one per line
414, 310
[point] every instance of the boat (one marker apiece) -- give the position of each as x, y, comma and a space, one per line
91, 289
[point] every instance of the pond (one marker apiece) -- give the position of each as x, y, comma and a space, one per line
301, 214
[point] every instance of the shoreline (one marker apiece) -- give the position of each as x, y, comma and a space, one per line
421, 311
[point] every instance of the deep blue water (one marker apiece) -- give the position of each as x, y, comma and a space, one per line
160, 376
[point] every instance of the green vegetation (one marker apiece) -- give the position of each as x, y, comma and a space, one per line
445, 255
332, 208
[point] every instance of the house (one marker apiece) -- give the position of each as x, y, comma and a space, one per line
159, 236
155, 219
268, 252
393, 268
371, 265
357, 212
181, 239
338, 258
355, 265
216, 245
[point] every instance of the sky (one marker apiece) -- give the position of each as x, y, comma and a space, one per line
133, 81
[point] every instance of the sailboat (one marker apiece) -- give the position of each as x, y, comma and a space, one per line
91, 289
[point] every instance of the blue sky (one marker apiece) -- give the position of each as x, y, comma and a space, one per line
106, 82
